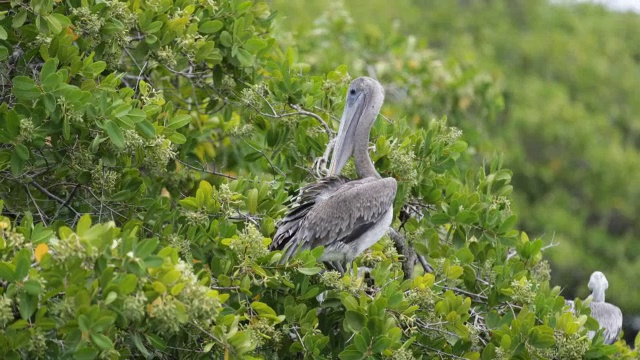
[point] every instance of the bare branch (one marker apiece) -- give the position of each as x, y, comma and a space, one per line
52, 196
206, 171
406, 250
302, 111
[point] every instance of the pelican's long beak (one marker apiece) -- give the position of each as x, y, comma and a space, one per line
345, 140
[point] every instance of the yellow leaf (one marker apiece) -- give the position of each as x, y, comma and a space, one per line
41, 249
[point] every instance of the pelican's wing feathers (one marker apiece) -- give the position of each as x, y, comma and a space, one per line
335, 212
610, 318
350, 211
308, 197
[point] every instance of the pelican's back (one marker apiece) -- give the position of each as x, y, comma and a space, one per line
609, 317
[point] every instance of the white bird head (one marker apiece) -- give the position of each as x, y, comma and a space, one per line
598, 281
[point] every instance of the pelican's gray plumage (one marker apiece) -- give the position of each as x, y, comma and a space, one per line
608, 316
345, 216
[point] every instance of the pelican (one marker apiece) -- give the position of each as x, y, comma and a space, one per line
608, 316
345, 216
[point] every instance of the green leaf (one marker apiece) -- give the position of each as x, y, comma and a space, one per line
102, 323
48, 68
440, 218
309, 271
225, 39
262, 308
22, 152
25, 88
541, 336
128, 284
454, 271
254, 45
153, 27
355, 320
381, 344
52, 82
467, 217
84, 224
19, 324
33, 287
83, 323
3, 33
146, 247
23, 264
140, 346
4, 53
179, 121
54, 25
113, 296
153, 261
115, 133
7, 271
508, 223
146, 129
170, 277
245, 57
17, 164
156, 341
252, 201
66, 129
28, 305
351, 354
50, 102
19, 19
85, 354
177, 138
96, 68
211, 27
101, 341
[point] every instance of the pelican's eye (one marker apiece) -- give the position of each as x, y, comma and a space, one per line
352, 92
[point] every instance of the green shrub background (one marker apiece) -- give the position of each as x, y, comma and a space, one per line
147, 149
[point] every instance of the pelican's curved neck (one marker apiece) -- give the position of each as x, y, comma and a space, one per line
362, 161
598, 295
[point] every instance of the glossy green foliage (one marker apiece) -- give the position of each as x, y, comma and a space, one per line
147, 149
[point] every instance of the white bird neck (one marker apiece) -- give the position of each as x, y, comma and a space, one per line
598, 295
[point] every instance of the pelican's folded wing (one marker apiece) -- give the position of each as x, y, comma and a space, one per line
308, 197
337, 217
610, 318
350, 211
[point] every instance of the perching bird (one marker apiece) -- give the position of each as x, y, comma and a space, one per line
345, 216
608, 316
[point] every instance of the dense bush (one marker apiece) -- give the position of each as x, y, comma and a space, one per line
147, 148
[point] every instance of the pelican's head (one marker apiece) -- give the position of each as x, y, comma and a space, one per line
598, 281
364, 99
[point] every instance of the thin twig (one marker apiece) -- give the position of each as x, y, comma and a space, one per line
464, 292
42, 215
273, 167
51, 196
302, 111
206, 171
